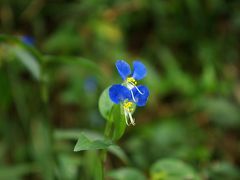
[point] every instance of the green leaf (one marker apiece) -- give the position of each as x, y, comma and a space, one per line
41, 146
172, 169
113, 113
64, 40
98, 168
126, 173
67, 165
222, 112
28, 60
90, 143
73, 134
105, 105
17, 171
93, 165
118, 151
84, 63
223, 170
5, 91
118, 120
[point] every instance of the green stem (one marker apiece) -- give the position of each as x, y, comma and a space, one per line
103, 153
18, 97
107, 130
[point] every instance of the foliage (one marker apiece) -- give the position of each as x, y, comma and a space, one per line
57, 59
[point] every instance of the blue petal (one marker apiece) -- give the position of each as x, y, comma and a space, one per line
139, 70
123, 69
119, 93
141, 99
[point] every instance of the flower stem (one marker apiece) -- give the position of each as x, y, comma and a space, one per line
103, 153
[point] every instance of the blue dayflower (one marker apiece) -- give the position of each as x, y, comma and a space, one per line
128, 94
139, 93
29, 40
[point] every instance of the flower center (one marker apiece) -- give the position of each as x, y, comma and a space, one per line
130, 84
128, 106
132, 81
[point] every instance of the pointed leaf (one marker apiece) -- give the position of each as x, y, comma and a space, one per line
172, 169
118, 120
88, 143
118, 151
28, 60
126, 173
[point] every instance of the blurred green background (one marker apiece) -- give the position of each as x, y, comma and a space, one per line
57, 56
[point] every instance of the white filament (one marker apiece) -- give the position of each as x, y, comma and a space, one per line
131, 118
128, 115
126, 118
133, 96
132, 86
139, 90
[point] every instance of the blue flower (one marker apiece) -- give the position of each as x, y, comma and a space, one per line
128, 94
132, 92
29, 40
90, 84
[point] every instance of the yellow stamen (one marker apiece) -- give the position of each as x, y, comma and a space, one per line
131, 80
128, 110
128, 105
